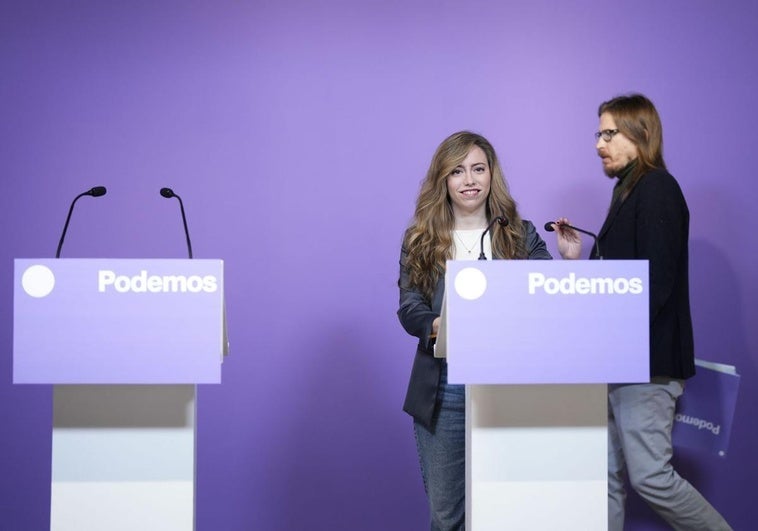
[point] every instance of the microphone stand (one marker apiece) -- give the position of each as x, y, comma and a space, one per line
97, 191
169, 193
503, 221
549, 228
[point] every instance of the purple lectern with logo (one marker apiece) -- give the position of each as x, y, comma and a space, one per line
536, 342
124, 341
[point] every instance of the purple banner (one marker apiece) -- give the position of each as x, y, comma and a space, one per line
543, 322
117, 321
704, 413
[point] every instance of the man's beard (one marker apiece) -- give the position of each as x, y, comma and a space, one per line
611, 172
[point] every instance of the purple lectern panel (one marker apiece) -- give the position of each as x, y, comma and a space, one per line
545, 322
79, 321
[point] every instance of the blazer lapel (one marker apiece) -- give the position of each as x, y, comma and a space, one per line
612, 213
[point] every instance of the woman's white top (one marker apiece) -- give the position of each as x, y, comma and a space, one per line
467, 245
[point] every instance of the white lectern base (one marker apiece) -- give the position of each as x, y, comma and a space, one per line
123, 458
536, 457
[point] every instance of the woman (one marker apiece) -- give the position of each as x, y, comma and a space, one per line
463, 190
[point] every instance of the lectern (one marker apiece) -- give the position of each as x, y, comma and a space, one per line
535, 342
124, 342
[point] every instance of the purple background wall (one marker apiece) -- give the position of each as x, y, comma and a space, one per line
297, 135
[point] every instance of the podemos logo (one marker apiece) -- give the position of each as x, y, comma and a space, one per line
573, 285
38, 281
144, 283
700, 424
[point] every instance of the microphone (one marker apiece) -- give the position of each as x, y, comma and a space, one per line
97, 191
549, 228
168, 193
502, 221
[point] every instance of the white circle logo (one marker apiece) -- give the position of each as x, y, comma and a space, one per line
470, 283
38, 281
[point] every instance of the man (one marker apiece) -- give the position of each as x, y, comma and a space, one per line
648, 219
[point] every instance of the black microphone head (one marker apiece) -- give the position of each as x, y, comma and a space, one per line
97, 191
167, 193
502, 221
549, 226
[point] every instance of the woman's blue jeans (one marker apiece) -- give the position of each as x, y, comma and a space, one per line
442, 455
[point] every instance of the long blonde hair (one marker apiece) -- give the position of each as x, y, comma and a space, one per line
429, 239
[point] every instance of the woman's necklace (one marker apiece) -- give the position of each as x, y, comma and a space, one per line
469, 249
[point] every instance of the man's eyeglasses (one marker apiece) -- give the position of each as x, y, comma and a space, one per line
606, 134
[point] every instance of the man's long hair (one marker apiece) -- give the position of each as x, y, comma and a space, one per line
429, 239
637, 119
